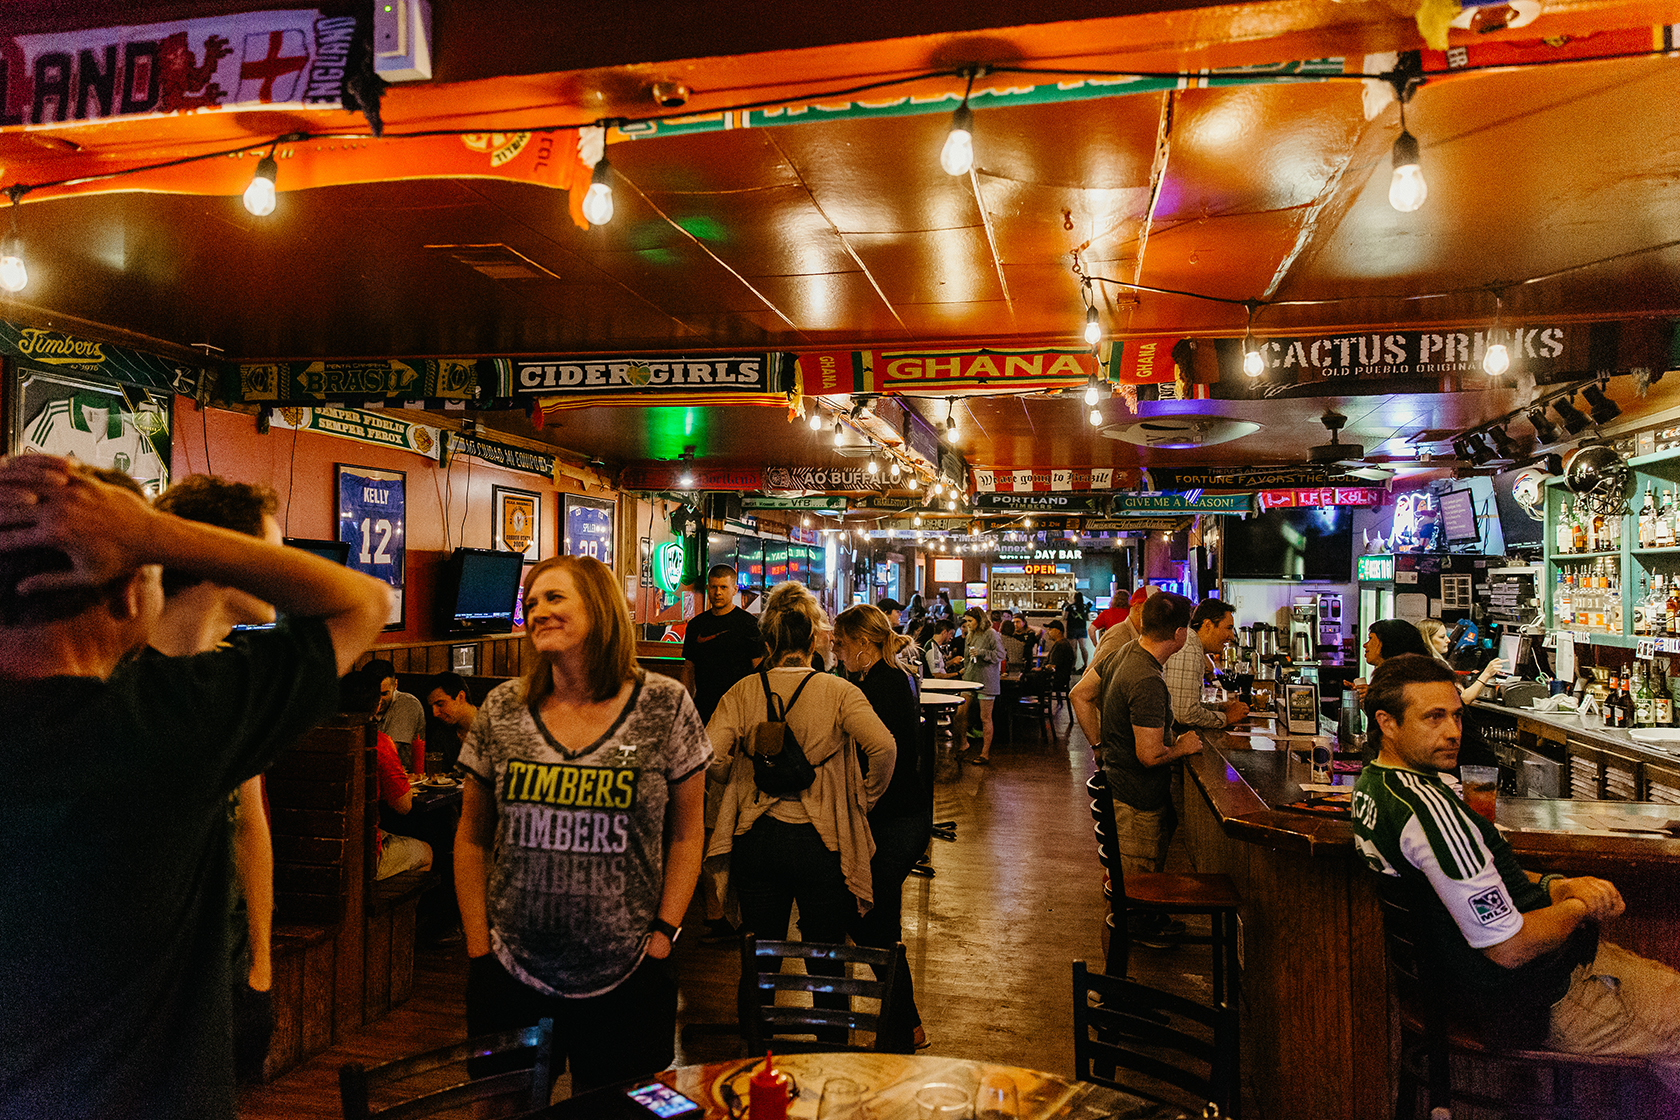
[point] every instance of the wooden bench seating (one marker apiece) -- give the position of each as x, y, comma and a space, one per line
343, 945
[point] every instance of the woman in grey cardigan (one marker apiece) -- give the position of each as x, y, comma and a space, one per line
983, 664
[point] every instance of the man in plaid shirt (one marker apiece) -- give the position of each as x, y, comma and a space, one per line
1211, 628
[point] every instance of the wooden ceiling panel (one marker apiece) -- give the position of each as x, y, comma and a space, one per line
836, 303
940, 266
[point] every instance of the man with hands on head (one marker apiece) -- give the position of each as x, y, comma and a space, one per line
1521, 950
114, 851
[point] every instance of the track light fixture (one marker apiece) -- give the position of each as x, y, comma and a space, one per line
1544, 430
1573, 422
957, 157
1603, 409
14, 276
1461, 449
598, 201
1509, 449
1481, 453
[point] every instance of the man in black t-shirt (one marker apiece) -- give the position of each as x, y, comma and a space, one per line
721, 644
114, 856
1137, 741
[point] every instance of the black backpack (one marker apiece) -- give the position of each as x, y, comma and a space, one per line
780, 767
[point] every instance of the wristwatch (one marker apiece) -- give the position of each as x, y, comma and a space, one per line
671, 932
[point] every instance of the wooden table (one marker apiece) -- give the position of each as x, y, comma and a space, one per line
890, 1080
950, 686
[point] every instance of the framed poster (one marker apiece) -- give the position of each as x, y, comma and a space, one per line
516, 521
372, 521
98, 422
587, 526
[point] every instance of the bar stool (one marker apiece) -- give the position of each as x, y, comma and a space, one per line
1165, 892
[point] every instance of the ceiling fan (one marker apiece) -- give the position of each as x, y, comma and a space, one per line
1346, 458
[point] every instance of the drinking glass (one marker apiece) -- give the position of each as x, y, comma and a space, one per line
1481, 788
842, 1099
997, 1098
939, 1101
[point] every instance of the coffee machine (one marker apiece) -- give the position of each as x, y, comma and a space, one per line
1303, 628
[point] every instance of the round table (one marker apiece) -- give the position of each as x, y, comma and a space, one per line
939, 700
950, 686
889, 1080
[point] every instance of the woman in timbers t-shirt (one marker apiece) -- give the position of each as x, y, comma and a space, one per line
572, 876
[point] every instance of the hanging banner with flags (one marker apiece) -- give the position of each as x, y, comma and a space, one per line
362, 426
1321, 496
1143, 361
497, 454
1050, 478
644, 380
1244, 478
816, 480
49, 349
936, 371
669, 476
819, 501
393, 380
1049, 503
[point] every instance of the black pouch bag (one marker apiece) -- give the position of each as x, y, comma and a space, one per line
780, 767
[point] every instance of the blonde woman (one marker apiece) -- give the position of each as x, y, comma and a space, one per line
902, 820
581, 835
1435, 636
812, 847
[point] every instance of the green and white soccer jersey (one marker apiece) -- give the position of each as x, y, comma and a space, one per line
1410, 825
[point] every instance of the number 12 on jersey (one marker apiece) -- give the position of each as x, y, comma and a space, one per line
371, 521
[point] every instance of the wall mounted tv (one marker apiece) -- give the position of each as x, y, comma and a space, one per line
336, 551
1296, 544
477, 589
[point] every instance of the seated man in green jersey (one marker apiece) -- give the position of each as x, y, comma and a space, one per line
1521, 950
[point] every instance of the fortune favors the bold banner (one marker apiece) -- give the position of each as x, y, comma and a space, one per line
935, 371
644, 380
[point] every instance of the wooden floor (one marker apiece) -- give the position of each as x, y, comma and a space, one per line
1016, 899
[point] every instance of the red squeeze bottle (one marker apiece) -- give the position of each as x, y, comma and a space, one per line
768, 1092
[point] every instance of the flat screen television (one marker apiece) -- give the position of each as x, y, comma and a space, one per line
1516, 525
478, 589
1458, 517
749, 564
1294, 544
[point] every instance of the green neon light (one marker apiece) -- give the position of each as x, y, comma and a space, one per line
668, 567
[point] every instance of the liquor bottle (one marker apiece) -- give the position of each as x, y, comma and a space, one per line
1662, 714
1671, 608
1673, 700
1578, 530
1562, 612
1665, 522
1642, 611
1643, 710
1627, 699
1613, 703
1584, 595
1647, 518
1597, 534
1616, 623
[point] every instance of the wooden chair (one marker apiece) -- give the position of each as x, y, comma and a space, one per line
1134, 1038
530, 1083
1557, 1086
1164, 892
766, 1025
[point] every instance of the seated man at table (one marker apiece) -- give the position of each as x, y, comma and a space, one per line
401, 715
115, 860
1211, 628
393, 852
1060, 657
447, 698
1522, 950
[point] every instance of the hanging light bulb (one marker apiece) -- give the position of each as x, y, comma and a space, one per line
1497, 359
915, 483
918, 521
1091, 392
14, 276
1095, 417
259, 196
957, 156
1253, 363
598, 202
816, 420
1407, 190
872, 467
1029, 523
895, 469
938, 487
951, 505
839, 434
1093, 329
806, 521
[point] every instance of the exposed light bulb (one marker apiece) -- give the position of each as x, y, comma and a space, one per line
259, 196
896, 469
1093, 329
957, 157
14, 276
939, 488
1095, 417
951, 430
1497, 360
1029, 523
918, 521
873, 467
1407, 190
806, 521
816, 420
687, 479
951, 505
598, 202
839, 434
1091, 392
915, 483
1253, 363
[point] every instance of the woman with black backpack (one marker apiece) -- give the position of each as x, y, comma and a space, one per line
811, 844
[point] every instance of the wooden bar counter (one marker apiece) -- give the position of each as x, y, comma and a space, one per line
1317, 1034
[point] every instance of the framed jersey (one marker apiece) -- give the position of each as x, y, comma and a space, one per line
95, 421
587, 527
373, 522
